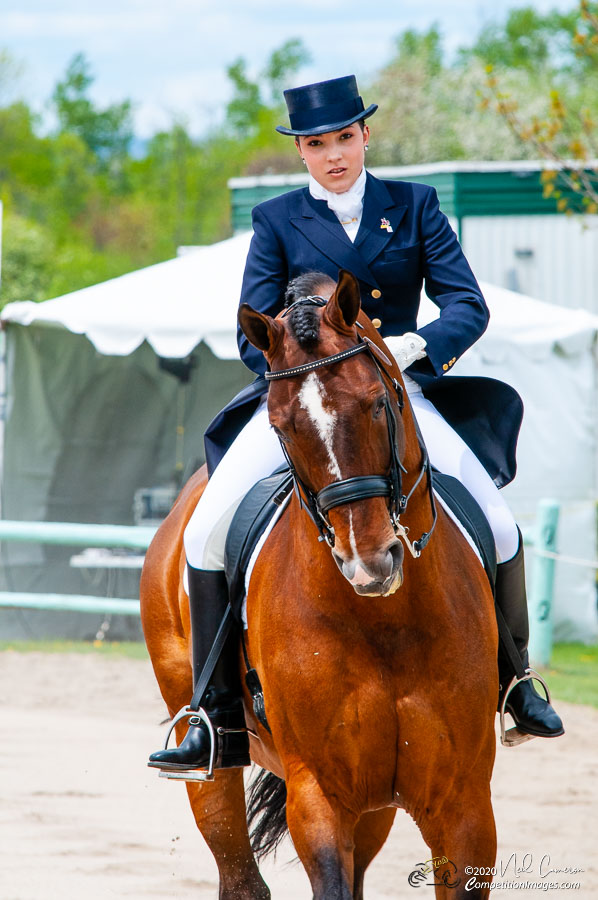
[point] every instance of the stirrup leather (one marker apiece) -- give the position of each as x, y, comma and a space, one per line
514, 736
195, 716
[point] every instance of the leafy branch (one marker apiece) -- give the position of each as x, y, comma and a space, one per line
566, 136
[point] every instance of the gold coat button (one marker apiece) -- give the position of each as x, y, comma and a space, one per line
445, 367
376, 323
376, 294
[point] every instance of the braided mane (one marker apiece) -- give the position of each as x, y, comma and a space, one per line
305, 325
304, 319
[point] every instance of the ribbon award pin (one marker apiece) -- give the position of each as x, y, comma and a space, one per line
384, 223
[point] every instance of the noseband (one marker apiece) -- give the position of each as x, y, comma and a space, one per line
362, 487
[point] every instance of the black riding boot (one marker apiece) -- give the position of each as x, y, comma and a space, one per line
531, 712
208, 599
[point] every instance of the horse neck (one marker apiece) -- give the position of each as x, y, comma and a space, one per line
419, 513
412, 457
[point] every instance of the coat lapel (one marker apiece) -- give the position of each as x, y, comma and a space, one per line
378, 204
321, 227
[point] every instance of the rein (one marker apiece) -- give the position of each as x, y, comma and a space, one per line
362, 487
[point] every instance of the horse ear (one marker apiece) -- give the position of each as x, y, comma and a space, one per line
261, 330
344, 305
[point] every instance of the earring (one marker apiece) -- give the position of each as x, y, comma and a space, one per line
303, 161
367, 147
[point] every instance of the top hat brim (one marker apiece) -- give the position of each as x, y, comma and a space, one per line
324, 129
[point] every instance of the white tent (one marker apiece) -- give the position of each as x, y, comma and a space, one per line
91, 415
173, 305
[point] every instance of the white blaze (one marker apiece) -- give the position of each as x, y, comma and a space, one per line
311, 398
360, 576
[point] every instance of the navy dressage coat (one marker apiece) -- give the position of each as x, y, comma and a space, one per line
404, 241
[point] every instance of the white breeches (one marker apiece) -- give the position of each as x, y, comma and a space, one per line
450, 454
256, 452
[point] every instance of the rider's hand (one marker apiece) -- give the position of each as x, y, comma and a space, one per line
406, 348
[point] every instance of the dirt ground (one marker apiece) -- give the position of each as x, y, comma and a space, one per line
82, 817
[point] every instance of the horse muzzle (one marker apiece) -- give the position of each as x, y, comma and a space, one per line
379, 576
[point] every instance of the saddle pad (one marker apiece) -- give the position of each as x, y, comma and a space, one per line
253, 515
468, 514
251, 525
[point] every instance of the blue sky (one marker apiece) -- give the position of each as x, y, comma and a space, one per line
169, 56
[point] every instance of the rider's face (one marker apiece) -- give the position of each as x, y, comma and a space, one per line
335, 159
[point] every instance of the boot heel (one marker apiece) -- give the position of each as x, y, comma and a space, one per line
521, 733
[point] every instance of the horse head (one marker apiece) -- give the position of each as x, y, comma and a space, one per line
338, 414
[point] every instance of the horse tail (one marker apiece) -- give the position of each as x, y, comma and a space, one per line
266, 813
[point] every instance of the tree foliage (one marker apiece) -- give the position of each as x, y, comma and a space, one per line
106, 132
565, 130
528, 40
79, 207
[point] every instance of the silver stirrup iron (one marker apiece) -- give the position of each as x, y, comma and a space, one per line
195, 716
514, 736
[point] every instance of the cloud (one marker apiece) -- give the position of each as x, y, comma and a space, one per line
76, 24
170, 56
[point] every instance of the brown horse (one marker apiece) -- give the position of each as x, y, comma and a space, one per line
378, 666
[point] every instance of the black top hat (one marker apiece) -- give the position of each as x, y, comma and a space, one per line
324, 106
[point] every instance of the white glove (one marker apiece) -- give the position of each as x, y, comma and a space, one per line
406, 348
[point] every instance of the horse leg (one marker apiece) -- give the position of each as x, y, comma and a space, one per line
323, 838
219, 811
218, 806
464, 832
370, 835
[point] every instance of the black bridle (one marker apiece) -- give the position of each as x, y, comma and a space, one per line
362, 487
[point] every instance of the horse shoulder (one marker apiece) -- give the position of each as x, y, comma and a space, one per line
164, 604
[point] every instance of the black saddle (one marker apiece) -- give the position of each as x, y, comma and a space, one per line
261, 502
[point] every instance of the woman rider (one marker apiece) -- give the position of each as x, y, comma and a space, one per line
393, 237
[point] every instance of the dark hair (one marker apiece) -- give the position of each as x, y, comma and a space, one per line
360, 122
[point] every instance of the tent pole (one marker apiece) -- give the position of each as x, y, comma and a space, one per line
3, 406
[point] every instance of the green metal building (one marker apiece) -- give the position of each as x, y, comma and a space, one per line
512, 235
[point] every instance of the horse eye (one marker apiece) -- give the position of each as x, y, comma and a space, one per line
379, 408
279, 433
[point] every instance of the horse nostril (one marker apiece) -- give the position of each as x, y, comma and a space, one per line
385, 565
347, 567
389, 560
397, 554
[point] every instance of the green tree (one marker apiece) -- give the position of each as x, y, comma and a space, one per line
257, 106
430, 110
528, 40
413, 123
254, 104
107, 132
243, 110
27, 259
282, 64
11, 71
565, 131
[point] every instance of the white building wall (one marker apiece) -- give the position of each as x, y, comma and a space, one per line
553, 258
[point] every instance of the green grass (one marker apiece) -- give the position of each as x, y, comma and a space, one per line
131, 649
572, 675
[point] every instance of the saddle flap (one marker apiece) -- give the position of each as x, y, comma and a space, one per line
251, 519
470, 515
